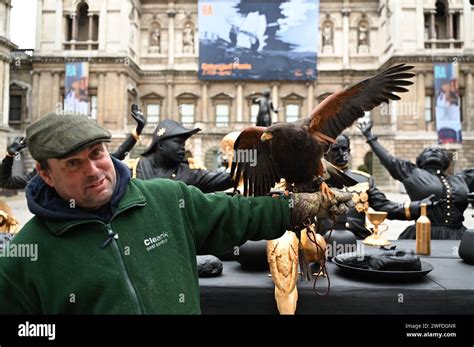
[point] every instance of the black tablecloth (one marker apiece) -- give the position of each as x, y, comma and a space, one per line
448, 289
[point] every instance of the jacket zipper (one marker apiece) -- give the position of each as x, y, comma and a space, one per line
113, 239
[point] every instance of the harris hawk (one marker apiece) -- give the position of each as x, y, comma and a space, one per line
294, 151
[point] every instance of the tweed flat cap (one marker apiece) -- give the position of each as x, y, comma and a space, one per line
60, 135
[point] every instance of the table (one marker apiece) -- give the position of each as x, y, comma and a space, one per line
448, 289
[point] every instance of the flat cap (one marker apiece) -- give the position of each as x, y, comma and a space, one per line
60, 135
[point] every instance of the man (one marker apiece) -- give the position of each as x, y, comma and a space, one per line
8, 181
165, 158
339, 155
427, 178
108, 244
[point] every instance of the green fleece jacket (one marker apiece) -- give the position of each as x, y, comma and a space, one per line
149, 267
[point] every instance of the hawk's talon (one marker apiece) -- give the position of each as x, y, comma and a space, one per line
326, 191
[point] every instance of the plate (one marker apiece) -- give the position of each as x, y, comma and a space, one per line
380, 275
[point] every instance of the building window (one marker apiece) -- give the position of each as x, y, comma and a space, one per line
153, 113
82, 29
442, 27
222, 115
292, 112
222, 104
152, 104
253, 113
186, 112
428, 108
15, 109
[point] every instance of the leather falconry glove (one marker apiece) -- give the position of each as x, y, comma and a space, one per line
306, 206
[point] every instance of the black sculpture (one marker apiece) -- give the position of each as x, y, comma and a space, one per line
165, 158
339, 156
264, 116
425, 178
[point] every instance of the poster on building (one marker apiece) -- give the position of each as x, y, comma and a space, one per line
447, 102
258, 40
76, 88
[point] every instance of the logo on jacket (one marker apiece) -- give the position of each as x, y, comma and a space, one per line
154, 242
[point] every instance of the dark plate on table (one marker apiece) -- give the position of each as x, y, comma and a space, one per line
380, 275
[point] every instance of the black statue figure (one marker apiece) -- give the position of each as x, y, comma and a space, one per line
165, 158
264, 117
339, 156
425, 178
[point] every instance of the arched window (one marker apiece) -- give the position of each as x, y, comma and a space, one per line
442, 27
82, 29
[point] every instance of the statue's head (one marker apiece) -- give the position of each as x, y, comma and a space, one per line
266, 92
339, 153
168, 141
433, 157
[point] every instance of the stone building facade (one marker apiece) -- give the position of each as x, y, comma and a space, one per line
146, 52
6, 46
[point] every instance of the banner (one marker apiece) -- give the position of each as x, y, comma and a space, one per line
258, 40
76, 91
447, 100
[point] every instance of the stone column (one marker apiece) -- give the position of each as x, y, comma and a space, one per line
170, 101
204, 115
55, 90
8, 8
123, 100
39, 12
345, 39
240, 117
3, 115
103, 25
466, 26
75, 26
59, 21
468, 97
279, 117
310, 97
171, 14
91, 28
432, 25
35, 113
6, 91
91, 25
101, 98
450, 25
397, 23
420, 96
420, 26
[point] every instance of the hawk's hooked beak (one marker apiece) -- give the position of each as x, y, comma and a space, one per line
266, 136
